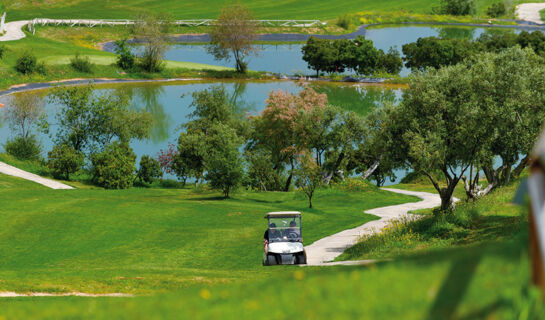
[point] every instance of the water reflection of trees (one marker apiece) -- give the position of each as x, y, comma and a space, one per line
147, 96
360, 99
241, 106
456, 33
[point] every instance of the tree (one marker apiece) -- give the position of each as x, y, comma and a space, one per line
114, 167
224, 164
24, 112
89, 121
64, 160
390, 61
506, 89
367, 56
26, 63
308, 176
233, 34
149, 169
153, 30
276, 129
458, 7
319, 54
436, 128
190, 158
496, 9
261, 175
435, 52
125, 57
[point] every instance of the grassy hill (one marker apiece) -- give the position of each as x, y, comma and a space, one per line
192, 9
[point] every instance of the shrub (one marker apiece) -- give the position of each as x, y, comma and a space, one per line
390, 62
114, 167
496, 10
125, 58
26, 63
149, 169
81, 64
24, 149
344, 21
3, 50
64, 160
457, 7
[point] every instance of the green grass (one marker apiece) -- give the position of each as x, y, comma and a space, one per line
148, 240
283, 9
490, 219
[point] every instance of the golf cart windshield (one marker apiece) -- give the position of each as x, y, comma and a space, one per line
285, 229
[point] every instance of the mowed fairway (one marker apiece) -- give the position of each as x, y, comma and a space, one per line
147, 240
193, 9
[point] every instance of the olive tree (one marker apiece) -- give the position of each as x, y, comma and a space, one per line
233, 34
153, 31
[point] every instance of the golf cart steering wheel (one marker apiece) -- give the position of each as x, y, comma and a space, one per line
293, 235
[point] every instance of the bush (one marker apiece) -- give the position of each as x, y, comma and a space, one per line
390, 62
125, 58
114, 167
64, 160
3, 50
344, 21
27, 63
457, 7
149, 169
496, 10
81, 64
24, 149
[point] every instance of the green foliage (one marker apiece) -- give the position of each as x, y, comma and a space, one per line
233, 34
153, 30
435, 52
125, 57
81, 64
458, 7
149, 169
495, 10
261, 174
3, 50
344, 21
27, 63
224, 164
308, 176
114, 167
24, 148
87, 121
390, 62
64, 160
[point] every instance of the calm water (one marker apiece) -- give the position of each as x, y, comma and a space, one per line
287, 58
168, 104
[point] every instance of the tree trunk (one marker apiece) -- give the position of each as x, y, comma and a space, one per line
288, 182
522, 164
310, 202
331, 173
371, 169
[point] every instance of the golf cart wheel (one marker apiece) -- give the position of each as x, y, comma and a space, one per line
271, 260
301, 259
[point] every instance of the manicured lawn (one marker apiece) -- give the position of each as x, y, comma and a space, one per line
147, 240
192, 9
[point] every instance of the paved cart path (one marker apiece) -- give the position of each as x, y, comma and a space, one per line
530, 12
325, 250
13, 171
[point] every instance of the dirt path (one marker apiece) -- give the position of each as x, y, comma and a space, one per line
16, 172
530, 12
10, 294
325, 250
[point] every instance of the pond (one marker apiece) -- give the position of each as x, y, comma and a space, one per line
168, 104
287, 58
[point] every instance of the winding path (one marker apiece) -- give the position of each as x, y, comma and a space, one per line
16, 172
325, 250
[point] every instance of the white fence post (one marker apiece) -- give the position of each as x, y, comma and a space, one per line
2, 21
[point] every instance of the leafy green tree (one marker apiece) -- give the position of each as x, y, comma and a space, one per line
154, 32
458, 7
233, 34
434, 52
390, 61
507, 89
494, 41
114, 167
24, 148
308, 176
261, 175
149, 169
64, 160
534, 40
319, 54
367, 56
125, 57
436, 128
496, 9
189, 160
224, 164
90, 121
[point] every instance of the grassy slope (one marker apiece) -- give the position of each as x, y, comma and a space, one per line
263, 9
104, 241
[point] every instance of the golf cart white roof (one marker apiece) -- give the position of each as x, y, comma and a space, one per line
279, 214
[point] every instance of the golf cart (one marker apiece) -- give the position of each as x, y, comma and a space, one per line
285, 240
